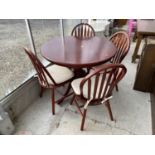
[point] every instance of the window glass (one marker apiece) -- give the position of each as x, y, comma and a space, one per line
44, 30
102, 27
15, 67
69, 24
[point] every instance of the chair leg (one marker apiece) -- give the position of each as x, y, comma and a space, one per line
135, 37
115, 79
53, 101
41, 91
83, 119
68, 89
109, 110
64, 95
72, 99
116, 87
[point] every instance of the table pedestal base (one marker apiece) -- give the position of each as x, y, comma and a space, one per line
80, 72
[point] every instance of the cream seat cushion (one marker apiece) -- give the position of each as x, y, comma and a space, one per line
76, 87
60, 74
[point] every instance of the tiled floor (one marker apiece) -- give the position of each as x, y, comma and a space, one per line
131, 110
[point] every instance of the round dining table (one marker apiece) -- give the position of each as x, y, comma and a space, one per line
75, 53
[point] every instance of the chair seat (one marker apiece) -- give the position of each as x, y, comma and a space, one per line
60, 74
76, 87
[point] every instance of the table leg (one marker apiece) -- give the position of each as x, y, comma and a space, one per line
135, 55
135, 37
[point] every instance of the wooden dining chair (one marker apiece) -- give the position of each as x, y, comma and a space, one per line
121, 40
83, 31
51, 77
96, 88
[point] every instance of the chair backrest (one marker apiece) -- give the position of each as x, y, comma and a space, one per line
42, 72
99, 83
83, 31
122, 42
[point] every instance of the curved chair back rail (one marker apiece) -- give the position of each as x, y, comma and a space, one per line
122, 41
100, 82
83, 31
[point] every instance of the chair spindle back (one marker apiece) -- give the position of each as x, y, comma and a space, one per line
100, 82
83, 31
122, 42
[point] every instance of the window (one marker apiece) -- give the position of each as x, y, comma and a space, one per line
15, 67
69, 24
44, 30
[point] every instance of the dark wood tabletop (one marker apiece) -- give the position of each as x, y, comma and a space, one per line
146, 27
72, 52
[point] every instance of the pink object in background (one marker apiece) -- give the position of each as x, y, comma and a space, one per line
131, 26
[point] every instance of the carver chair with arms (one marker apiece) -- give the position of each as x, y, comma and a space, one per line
96, 88
51, 77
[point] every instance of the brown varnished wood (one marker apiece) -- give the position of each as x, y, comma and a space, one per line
122, 42
109, 110
83, 31
42, 74
96, 85
83, 119
145, 28
89, 87
110, 75
145, 72
53, 101
72, 52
